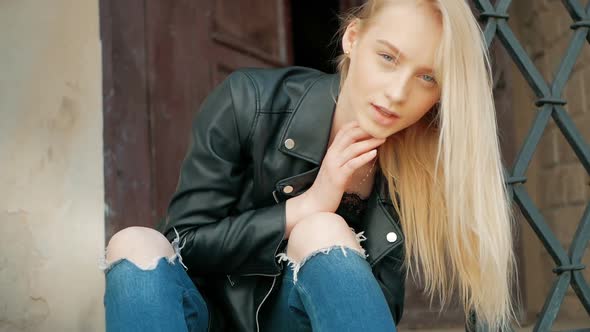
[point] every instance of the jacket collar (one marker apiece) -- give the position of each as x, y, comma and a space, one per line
311, 121
309, 129
310, 125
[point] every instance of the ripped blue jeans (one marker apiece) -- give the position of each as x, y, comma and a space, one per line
160, 297
332, 289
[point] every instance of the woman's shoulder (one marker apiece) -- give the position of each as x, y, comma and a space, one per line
248, 92
263, 76
273, 87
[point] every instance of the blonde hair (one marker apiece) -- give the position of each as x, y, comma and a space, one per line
446, 169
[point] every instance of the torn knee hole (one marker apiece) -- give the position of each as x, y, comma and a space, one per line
152, 263
296, 266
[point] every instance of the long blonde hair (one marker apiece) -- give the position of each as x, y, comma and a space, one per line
446, 169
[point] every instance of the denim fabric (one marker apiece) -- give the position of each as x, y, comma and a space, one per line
160, 299
335, 290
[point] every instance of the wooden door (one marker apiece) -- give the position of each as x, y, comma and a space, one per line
160, 60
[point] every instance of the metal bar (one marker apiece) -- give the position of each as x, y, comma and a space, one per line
552, 304
522, 60
537, 223
576, 252
568, 62
574, 8
587, 17
490, 31
573, 136
569, 267
524, 156
580, 287
502, 6
581, 237
484, 6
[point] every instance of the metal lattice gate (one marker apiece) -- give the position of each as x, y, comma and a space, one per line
549, 103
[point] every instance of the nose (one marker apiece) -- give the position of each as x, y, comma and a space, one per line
398, 89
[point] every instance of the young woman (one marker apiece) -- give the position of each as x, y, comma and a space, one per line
305, 199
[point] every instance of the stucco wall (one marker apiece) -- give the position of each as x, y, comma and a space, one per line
51, 178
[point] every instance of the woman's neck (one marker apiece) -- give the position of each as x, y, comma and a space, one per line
342, 115
364, 175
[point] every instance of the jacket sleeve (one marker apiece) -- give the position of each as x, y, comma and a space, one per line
215, 238
390, 274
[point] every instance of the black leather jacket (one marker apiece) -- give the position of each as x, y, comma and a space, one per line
229, 205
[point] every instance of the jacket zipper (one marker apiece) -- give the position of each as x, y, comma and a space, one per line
230, 281
274, 279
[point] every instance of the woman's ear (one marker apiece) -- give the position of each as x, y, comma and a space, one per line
350, 36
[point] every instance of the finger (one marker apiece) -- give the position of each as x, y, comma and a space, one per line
355, 163
356, 149
350, 124
344, 138
344, 129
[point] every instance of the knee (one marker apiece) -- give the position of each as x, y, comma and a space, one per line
139, 245
319, 231
321, 225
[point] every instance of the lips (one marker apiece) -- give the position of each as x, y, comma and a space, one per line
382, 116
386, 112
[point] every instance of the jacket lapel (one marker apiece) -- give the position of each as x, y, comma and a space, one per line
310, 124
381, 223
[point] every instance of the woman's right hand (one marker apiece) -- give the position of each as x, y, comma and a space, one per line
351, 148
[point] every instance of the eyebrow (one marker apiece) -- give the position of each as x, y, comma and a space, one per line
400, 54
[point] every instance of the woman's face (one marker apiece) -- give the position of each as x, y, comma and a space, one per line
390, 83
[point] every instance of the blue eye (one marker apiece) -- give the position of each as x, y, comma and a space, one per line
387, 57
429, 78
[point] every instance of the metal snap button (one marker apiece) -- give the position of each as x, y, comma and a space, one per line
288, 189
391, 237
289, 143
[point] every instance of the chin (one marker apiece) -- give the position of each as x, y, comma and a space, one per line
372, 128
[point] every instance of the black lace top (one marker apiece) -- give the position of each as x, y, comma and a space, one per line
352, 208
